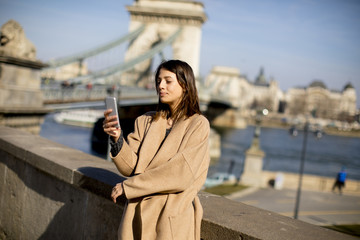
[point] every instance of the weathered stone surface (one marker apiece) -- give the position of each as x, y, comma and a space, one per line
14, 42
49, 191
162, 19
13, 199
103, 214
226, 219
21, 99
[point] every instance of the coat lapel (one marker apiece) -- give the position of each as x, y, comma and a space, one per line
171, 145
151, 144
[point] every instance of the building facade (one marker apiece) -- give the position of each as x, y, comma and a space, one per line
227, 84
319, 101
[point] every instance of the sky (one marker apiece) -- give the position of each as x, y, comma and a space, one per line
295, 41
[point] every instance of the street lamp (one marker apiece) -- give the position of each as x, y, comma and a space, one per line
293, 132
258, 118
252, 169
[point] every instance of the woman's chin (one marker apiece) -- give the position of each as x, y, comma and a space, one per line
163, 100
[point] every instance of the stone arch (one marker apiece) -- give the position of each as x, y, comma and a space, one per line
138, 46
318, 101
162, 19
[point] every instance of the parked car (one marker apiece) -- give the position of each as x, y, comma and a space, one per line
219, 178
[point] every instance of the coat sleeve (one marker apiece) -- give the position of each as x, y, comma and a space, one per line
182, 170
126, 160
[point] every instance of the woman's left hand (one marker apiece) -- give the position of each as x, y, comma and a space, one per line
117, 191
109, 125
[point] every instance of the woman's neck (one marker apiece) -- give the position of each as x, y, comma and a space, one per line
169, 123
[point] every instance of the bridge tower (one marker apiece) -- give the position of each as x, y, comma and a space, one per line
162, 19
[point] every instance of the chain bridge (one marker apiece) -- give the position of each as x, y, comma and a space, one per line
169, 30
123, 67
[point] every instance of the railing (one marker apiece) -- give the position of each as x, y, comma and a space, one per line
62, 95
92, 52
111, 71
53, 95
56, 95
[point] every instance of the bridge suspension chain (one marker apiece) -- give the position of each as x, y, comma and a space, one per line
122, 67
95, 51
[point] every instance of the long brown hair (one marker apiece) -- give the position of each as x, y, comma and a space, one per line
189, 104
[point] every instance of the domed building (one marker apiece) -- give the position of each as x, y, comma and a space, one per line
319, 101
227, 83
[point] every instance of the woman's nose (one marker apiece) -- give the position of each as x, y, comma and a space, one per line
161, 85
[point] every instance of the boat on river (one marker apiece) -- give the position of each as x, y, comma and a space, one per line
81, 118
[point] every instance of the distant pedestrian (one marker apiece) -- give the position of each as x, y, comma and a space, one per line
340, 180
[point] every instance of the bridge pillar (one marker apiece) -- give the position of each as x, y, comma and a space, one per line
231, 118
162, 19
21, 99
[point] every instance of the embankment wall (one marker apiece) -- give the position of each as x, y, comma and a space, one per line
50, 191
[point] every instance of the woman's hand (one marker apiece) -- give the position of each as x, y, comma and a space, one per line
109, 125
117, 191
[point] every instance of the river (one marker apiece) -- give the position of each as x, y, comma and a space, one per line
324, 156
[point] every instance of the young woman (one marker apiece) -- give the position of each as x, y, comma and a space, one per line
165, 161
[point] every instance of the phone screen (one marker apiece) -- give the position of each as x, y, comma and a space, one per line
110, 103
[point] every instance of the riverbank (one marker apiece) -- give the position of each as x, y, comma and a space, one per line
324, 157
286, 180
331, 214
310, 182
275, 123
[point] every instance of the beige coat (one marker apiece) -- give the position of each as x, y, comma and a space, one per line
164, 178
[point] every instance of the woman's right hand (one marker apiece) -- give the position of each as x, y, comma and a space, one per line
109, 125
117, 191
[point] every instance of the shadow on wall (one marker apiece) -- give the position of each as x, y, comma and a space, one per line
49, 208
85, 215
98, 180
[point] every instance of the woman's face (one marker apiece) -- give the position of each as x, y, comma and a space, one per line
170, 91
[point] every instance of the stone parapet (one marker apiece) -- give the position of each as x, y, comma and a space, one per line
21, 99
26, 119
50, 191
22, 62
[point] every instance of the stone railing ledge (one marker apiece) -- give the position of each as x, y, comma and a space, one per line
73, 178
227, 219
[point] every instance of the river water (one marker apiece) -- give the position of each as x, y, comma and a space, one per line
324, 157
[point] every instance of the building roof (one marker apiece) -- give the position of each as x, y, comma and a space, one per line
348, 85
260, 79
318, 83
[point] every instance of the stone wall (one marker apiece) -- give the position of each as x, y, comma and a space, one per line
50, 191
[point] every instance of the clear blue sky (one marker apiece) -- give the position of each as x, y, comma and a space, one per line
296, 41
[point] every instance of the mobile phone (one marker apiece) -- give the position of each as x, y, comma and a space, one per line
110, 103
